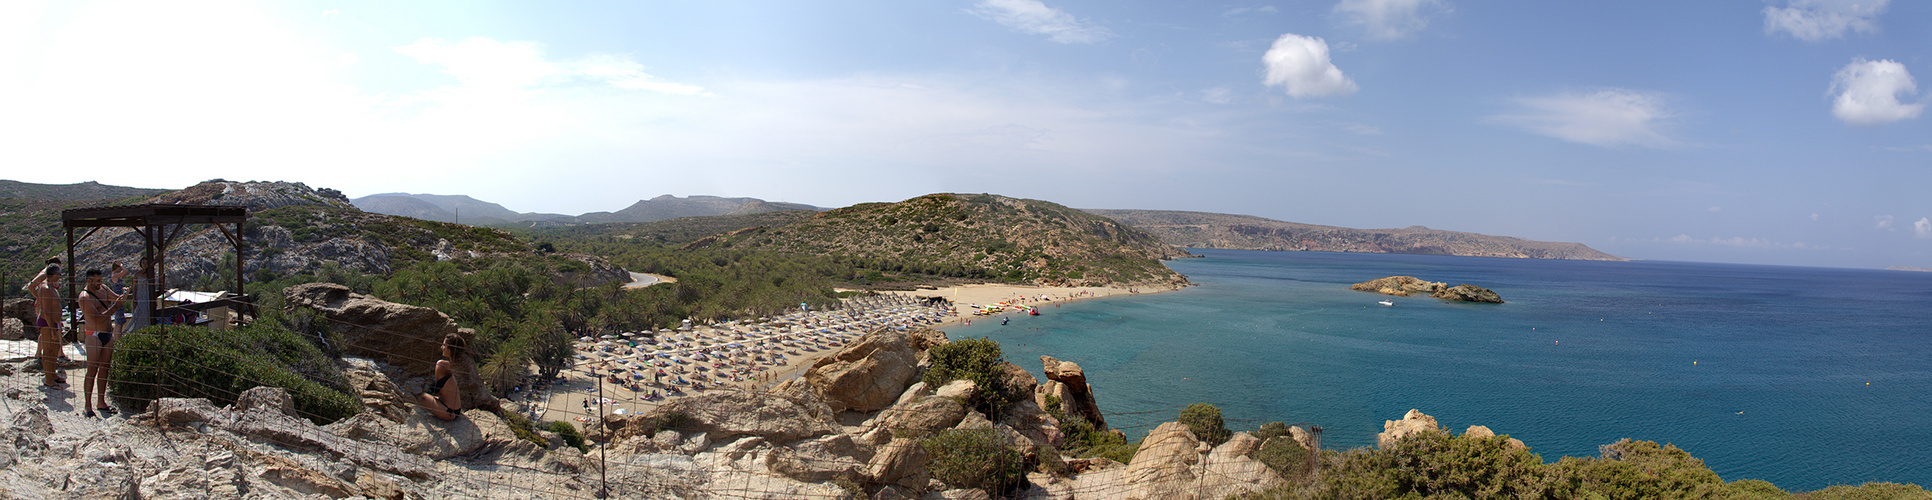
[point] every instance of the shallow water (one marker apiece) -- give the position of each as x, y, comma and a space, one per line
1805, 377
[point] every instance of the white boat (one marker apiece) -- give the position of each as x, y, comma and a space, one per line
1387, 303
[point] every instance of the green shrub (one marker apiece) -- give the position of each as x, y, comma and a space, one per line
1205, 421
1638, 469
1438, 465
974, 458
1753, 489
570, 435
1271, 430
1287, 457
1872, 491
193, 362
977, 360
520, 425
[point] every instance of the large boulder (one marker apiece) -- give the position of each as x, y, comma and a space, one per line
1067, 382
869, 374
1414, 422
923, 416
901, 462
403, 336
727, 415
822, 459
1171, 465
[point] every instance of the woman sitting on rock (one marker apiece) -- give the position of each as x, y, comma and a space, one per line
444, 400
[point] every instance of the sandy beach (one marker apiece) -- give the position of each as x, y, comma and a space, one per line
757, 354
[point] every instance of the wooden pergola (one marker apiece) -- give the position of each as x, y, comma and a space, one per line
160, 226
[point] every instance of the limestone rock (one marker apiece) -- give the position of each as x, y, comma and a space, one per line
1169, 465
13, 329
924, 416
400, 335
1482, 432
821, 459
901, 462
274, 399
1414, 422
1470, 293
1031, 421
960, 390
378, 394
867, 375
726, 415
1069, 384
956, 494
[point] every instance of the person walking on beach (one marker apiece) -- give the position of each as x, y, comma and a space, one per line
96, 304
445, 399
44, 288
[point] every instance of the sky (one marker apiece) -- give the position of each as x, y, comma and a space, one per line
1784, 132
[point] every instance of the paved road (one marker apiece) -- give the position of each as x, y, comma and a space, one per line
641, 280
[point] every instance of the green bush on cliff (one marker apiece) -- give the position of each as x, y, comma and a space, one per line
974, 458
1638, 470
193, 362
978, 360
1438, 465
1287, 457
1204, 420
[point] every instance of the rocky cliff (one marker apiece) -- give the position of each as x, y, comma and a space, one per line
1245, 232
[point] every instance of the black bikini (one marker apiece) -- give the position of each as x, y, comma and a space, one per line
436, 391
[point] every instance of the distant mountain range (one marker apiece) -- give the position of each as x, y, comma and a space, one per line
1246, 232
89, 190
467, 210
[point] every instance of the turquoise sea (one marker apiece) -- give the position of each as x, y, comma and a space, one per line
1805, 377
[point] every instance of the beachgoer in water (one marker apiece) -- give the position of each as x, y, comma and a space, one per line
444, 399
96, 305
44, 288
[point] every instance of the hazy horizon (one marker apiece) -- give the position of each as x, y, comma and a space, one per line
1774, 132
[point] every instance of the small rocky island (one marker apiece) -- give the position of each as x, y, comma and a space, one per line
1403, 286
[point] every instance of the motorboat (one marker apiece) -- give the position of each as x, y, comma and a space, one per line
1386, 303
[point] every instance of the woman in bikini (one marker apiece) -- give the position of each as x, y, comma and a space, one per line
444, 400
96, 304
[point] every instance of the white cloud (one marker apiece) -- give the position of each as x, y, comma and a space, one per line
1742, 242
482, 63
1218, 95
1884, 222
1868, 93
1608, 117
1362, 129
1300, 63
1715, 209
1815, 20
1035, 18
1388, 19
1243, 11
1923, 227
1814, 217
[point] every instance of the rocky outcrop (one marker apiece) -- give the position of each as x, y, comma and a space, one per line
869, 374
1068, 383
1400, 286
1414, 422
1172, 464
400, 336
1403, 286
1470, 293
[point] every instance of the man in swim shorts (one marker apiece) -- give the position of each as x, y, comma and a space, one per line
97, 304
45, 289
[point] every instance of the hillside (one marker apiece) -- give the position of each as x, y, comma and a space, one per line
1245, 232
975, 236
471, 211
292, 229
677, 231
446, 208
89, 190
671, 207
